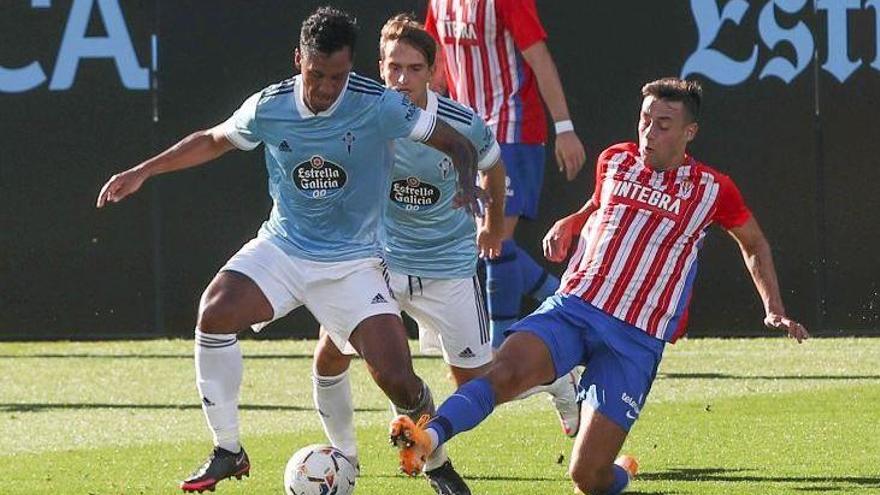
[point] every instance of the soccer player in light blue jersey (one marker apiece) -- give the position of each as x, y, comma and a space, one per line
327, 135
430, 248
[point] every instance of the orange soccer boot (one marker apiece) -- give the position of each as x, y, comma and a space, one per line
412, 441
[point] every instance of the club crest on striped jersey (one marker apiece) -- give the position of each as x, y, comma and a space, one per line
319, 178
412, 194
685, 188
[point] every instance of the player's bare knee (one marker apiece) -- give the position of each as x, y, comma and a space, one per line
217, 317
505, 380
329, 360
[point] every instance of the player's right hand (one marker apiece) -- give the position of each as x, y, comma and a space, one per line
471, 197
557, 241
121, 185
781, 322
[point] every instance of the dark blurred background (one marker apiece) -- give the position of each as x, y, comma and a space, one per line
88, 88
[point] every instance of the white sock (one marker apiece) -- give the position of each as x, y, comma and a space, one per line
438, 457
219, 368
335, 407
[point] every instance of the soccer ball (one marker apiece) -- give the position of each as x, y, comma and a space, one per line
319, 470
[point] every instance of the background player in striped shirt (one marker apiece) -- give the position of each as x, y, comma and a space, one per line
624, 294
495, 60
430, 247
327, 133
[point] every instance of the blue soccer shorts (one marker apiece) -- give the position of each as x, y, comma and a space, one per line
524, 164
621, 360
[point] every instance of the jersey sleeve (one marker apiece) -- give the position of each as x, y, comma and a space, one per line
520, 17
399, 117
431, 22
483, 139
732, 211
241, 128
601, 166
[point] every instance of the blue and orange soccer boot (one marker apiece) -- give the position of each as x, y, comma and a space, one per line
221, 464
412, 442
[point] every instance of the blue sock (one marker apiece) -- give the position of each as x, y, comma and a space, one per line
504, 289
537, 282
464, 409
621, 479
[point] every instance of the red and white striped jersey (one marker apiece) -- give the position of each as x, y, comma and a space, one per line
481, 42
636, 258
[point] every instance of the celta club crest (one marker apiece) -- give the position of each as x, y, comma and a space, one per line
445, 166
685, 188
348, 139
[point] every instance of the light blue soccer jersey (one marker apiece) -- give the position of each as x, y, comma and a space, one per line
424, 235
327, 171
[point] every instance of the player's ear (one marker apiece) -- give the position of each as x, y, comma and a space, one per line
297, 58
691, 131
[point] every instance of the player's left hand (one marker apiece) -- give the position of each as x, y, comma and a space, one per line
781, 322
570, 154
489, 243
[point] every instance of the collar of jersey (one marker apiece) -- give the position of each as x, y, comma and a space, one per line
431, 107
304, 109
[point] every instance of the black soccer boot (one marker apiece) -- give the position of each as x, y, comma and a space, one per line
221, 464
446, 481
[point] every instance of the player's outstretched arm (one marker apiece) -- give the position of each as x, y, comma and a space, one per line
491, 233
195, 149
759, 261
570, 153
446, 139
557, 242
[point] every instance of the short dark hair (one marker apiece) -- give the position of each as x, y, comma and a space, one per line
690, 93
404, 27
328, 30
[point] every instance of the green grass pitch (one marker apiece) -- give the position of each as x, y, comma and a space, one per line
763, 416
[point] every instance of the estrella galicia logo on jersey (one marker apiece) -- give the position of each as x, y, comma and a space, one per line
348, 139
411, 194
445, 167
319, 178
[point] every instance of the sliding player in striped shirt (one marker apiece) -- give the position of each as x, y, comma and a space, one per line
624, 294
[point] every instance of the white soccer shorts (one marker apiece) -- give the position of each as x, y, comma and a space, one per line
451, 317
339, 294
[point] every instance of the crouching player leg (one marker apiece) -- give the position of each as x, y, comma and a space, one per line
564, 332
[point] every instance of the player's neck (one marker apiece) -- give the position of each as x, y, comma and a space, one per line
422, 101
671, 165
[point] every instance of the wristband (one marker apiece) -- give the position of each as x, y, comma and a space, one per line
563, 126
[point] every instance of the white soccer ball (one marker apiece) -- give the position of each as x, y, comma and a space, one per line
319, 470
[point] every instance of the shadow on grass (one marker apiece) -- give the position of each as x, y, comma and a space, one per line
42, 407
168, 356
729, 475
477, 477
724, 376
